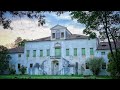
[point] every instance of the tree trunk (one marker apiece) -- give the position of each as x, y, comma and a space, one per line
105, 15
116, 51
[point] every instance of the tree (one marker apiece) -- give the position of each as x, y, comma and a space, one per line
5, 22
95, 64
106, 22
4, 59
22, 43
17, 41
112, 66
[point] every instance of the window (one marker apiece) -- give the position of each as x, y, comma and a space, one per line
87, 65
67, 52
19, 55
62, 34
83, 51
48, 52
53, 35
57, 34
102, 53
57, 51
31, 65
18, 66
75, 51
104, 66
91, 51
28, 53
34, 53
41, 53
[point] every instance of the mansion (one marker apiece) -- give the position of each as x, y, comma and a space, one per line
62, 53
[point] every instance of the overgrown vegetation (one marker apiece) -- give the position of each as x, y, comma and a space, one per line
22, 69
114, 71
12, 71
95, 64
4, 59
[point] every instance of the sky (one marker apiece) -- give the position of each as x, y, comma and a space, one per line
28, 28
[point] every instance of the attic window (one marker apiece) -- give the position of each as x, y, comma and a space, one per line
57, 34
53, 35
62, 34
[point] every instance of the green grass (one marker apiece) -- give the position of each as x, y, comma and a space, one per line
51, 77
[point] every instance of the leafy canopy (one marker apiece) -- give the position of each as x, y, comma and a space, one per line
4, 59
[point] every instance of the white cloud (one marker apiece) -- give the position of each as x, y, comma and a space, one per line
28, 29
75, 30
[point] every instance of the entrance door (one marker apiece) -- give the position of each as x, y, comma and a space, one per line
55, 67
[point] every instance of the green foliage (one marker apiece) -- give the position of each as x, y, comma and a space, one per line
22, 43
5, 21
19, 42
114, 66
4, 59
12, 71
95, 64
22, 69
95, 21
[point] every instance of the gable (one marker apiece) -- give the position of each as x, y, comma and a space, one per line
58, 27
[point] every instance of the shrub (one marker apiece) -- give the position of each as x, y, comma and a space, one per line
95, 64
22, 69
114, 66
12, 71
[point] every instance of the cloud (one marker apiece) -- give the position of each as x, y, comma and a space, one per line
28, 28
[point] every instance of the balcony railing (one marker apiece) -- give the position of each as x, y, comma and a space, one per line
55, 57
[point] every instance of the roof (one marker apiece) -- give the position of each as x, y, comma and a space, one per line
17, 50
58, 26
77, 36
105, 45
73, 36
41, 39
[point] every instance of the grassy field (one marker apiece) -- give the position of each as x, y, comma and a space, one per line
50, 77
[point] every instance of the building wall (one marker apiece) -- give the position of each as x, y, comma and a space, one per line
17, 60
65, 44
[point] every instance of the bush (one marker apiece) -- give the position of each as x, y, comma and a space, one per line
22, 69
95, 64
114, 66
12, 71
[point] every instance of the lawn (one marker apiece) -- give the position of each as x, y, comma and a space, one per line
51, 77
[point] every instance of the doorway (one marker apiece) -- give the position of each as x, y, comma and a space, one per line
55, 67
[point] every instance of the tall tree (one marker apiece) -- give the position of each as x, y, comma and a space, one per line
4, 59
103, 21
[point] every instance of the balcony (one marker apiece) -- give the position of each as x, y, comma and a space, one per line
55, 57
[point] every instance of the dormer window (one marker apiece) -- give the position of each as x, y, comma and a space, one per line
62, 34
53, 35
57, 34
